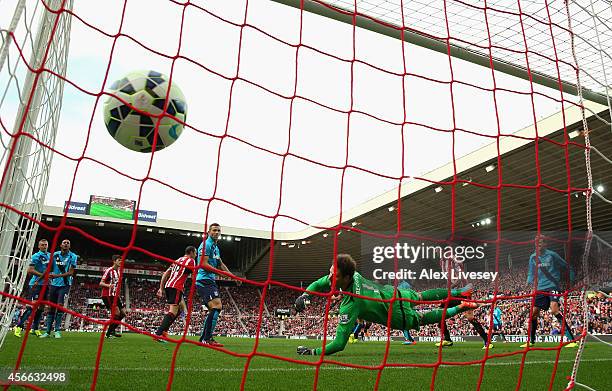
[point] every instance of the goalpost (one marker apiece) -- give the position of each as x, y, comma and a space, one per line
40, 31
39, 34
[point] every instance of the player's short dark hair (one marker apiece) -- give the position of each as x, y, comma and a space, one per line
346, 265
115, 257
43, 240
214, 225
190, 249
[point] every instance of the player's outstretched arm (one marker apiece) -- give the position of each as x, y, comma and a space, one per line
346, 319
323, 284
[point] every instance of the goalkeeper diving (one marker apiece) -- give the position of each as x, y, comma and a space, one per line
403, 317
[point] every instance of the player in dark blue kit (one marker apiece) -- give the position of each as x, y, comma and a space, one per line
209, 254
38, 266
361, 326
62, 268
550, 268
498, 324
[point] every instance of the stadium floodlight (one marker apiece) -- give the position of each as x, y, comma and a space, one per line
574, 134
600, 188
391, 208
438, 189
490, 167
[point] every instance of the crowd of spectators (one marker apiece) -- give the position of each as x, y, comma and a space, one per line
241, 311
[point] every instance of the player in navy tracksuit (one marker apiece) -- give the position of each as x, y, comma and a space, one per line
550, 267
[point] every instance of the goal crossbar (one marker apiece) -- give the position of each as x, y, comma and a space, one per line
441, 46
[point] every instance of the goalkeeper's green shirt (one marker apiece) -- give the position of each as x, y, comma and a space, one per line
403, 317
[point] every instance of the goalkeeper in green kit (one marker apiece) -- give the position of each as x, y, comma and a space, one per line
403, 317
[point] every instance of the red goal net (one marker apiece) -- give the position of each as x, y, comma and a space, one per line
315, 128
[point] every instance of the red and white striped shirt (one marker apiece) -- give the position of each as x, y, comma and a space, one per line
110, 276
454, 269
179, 272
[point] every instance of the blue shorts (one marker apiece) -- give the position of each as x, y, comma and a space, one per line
207, 290
34, 292
57, 294
542, 301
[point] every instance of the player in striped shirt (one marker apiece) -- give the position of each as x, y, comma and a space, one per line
173, 283
111, 292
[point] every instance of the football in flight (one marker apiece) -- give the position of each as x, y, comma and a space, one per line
133, 125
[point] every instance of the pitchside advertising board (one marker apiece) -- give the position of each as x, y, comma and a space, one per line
110, 207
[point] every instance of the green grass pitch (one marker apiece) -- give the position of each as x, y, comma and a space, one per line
136, 362
105, 210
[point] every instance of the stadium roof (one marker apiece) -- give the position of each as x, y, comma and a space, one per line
424, 209
518, 167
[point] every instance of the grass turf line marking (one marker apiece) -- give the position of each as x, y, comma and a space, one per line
279, 369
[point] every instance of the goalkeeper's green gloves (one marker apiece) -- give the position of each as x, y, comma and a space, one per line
304, 351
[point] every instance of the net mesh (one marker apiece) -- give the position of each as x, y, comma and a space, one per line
30, 104
539, 37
